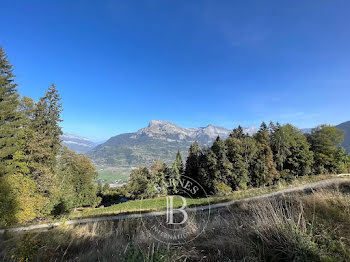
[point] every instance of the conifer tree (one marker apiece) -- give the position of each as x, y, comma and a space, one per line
237, 155
178, 164
192, 162
223, 169
237, 133
11, 121
44, 143
263, 171
262, 136
175, 173
38, 150
54, 109
20, 201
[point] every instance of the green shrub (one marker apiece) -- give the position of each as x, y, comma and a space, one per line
221, 189
26, 249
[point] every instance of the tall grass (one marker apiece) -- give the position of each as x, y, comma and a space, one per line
157, 204
309, 226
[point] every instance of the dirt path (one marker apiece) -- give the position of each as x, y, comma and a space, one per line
314, 185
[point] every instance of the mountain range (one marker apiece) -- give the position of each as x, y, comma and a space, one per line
77, 143
160, 140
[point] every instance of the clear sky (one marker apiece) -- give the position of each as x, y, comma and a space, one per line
119, 64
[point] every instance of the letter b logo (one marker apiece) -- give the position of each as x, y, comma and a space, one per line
170, 210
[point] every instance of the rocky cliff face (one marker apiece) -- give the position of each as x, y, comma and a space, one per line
160, 140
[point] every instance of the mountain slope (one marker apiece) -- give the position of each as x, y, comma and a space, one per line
160, 140
77, 143
345, 127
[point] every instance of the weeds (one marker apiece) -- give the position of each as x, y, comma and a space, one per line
301, 227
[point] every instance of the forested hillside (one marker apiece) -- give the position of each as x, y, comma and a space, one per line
275, 153
38, 177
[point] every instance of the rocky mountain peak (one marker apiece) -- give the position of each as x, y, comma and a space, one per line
158, 123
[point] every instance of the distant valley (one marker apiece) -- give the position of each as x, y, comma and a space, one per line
160, 140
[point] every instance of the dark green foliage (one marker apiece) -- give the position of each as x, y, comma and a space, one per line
32, 182
8, 204
263, 169
237, 133
133, 254
240, 152
263, 135
175, 173
178, 166
192, 162
274, 153
346, 128
75, 176
291, 150
223, 168
325, 142
146, 184
11, 121
42, 140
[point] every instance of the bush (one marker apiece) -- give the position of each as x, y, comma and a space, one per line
19, 201
221, 189
26, 249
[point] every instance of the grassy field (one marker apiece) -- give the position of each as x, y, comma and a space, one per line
158, 204
110, 175
299, 227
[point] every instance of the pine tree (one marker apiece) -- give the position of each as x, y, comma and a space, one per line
263, 170
157, 183
54, 109
38, 150
175, 174
207, 171
192, 162
262, 136
44, 143
223, 169
11, 122
178, 164
237, 133
237, 155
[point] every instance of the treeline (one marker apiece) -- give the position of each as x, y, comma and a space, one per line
276, 152
38, 177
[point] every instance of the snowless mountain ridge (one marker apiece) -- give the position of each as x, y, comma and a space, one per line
160, 140
164, 129
77, 143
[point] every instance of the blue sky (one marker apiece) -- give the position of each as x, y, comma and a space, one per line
119, 64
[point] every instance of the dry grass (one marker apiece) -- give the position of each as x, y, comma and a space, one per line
312, 226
